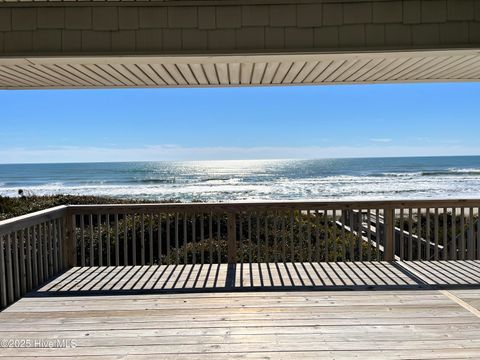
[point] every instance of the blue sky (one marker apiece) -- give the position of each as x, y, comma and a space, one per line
240, 123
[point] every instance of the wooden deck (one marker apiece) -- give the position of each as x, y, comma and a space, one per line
421, 310
271, 276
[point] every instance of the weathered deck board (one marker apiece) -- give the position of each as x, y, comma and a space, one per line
405, 317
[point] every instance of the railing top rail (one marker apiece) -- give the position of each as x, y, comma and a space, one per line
23, 221
277, 205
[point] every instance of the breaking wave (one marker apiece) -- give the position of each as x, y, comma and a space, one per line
361, 179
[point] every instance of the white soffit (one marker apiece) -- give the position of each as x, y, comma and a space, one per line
248, 70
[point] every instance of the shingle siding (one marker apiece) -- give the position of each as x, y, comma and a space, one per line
322, 24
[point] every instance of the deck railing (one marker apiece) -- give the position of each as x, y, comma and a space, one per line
35, 247
31, 251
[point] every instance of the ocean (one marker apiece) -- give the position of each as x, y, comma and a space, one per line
323, 179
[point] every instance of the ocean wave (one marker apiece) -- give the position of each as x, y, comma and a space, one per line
213, 181
282, 189
443, 172
467, 170
208, 179
154, 181
453, 172
396, 174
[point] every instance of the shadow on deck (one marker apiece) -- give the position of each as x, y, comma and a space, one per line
264, 277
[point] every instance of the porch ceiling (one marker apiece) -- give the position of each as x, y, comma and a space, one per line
251, 70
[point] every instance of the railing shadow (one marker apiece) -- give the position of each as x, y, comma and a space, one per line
458, 274
304, 276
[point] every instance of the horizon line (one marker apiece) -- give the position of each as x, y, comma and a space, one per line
237, 160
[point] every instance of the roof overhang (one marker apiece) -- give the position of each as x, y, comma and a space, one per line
236, 70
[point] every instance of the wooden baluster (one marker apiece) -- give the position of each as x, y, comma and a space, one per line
160, 247
41, 247
202, 239
462, 233
284, 238
92, 257
232, 237
177, 246
266, 238
470, 244
317, 237
9, 269
82, 240
108, 244
100, 240
326, 239
125, 240
35, 270
16, 270
240, 239
55, 246
454, 247
29, 260
45, 251
21, 250
352, 240
360, 238
68, 242
401, 237
150, 238
142, 239
117, 239
478, 234
168, 237
210, 233
410, 234
389, 246
250, 242
275, 237
185, 238
344, 240
3, 274
259, 255
194, 242
445, 234
419, 234
219, 238
377, 227
134, 240
51, 247
48, 250
334, 235
427, 234
435, 253
309, 236
46, 247
62, 237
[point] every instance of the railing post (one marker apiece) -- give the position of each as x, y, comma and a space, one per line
70, 249
231, 237
389, 249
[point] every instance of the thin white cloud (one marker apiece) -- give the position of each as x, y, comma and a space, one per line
175, 152
381, 140
422, 139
